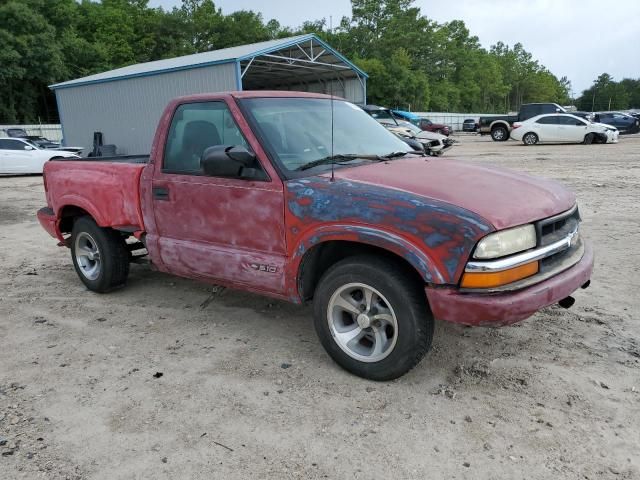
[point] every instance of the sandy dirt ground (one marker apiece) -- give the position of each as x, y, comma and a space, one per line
169, 378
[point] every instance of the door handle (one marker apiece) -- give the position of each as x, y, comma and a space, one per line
160, 193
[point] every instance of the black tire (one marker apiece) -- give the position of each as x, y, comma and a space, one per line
407, 301
588, 139
499, 134
530, 138
113, 256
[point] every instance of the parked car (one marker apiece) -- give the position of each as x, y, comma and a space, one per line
407, 116
586, 115
306, 198
15, 132
470, 125
434, 144
423, 123
18, 156
431, 143
499, 126
385, 117
562, 128
39, 141
623, 122
428, 126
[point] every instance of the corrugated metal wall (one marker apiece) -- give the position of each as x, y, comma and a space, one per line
354, 91
127, 111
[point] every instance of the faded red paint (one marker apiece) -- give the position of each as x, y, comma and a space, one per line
253, 235
495, 310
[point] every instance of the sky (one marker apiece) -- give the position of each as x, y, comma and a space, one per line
579, 39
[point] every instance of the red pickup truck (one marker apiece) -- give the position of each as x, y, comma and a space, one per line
303, 197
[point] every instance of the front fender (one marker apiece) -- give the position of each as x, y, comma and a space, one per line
369, 236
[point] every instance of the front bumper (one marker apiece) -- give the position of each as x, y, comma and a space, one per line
48, 220
505, 308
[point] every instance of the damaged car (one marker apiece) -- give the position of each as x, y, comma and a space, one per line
434, 144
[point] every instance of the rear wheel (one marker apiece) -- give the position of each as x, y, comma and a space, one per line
372, 318
100, 256
589, 138
499, 134
530, 138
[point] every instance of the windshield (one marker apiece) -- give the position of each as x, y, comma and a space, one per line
409, 126
297, 131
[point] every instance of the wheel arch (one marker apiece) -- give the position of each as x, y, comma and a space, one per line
530, 132
314, 256
70, 212
500, 123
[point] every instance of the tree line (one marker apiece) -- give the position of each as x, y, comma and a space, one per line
413, 62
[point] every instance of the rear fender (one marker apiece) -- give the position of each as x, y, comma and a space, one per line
77, 201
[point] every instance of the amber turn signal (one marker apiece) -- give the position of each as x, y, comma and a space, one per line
497, 279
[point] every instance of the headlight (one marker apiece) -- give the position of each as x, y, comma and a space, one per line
506, 242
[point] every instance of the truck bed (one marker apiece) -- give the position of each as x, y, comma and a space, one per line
108, 188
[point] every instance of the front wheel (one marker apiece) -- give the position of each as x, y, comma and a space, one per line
530, 138
589, 138
372, 318
100, 256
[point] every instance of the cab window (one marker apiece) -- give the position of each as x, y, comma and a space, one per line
194, 128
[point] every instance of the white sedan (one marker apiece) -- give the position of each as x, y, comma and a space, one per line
562, 128
18, 156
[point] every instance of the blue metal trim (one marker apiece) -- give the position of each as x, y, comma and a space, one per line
143, 74
63, 142
310, 36
340, 56
238, 76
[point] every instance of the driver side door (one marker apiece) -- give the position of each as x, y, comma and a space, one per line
226, 229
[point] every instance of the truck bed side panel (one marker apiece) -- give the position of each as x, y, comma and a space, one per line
108, 191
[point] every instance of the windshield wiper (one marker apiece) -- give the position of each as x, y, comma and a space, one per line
336, 158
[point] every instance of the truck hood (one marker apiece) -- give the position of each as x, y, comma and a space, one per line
504, 198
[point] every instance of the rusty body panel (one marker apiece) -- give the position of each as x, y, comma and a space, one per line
433, 236
254, 235
108, 192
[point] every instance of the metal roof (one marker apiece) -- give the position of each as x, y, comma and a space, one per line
197, 60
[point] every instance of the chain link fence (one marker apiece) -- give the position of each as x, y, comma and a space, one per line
453, 120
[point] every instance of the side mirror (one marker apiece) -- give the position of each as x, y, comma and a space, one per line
28, 147
226, 161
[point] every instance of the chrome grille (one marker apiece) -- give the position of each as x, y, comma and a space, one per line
554, 228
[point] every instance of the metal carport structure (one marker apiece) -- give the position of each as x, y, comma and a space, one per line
126, 103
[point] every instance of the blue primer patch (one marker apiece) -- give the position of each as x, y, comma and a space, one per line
435, 239
437, 223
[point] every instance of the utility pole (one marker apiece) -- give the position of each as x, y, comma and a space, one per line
593, 101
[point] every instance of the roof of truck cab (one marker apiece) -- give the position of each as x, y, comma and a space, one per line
253, 94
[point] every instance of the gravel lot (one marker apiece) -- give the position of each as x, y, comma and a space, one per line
169, 378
